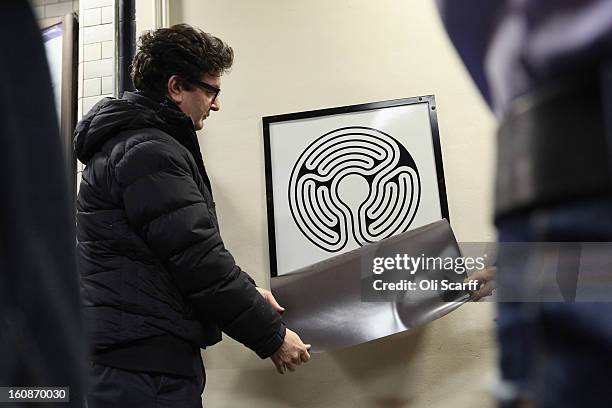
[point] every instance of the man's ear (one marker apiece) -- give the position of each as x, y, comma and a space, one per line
175, 89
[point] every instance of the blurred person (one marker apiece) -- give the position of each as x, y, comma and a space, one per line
157, 282
40, 325
545, 69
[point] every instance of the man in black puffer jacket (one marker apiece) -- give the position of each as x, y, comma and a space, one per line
156, 280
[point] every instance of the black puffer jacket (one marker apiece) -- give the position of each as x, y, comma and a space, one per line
149, 252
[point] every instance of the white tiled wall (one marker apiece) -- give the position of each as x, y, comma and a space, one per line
97, 33
92, 52
98, 69
99, 3
92, 17
108, 49
108, 84
44, 9
96, 46
96, 54
108, 14
92, 87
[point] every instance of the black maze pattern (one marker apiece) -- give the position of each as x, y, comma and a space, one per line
390, 171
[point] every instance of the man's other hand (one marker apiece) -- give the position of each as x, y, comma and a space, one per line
291, 353
266, 294
486, 279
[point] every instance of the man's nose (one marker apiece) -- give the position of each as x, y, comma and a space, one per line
216, 105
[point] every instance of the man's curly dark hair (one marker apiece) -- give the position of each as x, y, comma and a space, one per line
179, 50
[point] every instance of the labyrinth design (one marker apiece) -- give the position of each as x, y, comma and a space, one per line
394, 188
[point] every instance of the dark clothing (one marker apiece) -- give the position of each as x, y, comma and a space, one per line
514, 47
545, 69
40, 324
151, 259
145, 356
118, 388
558, 353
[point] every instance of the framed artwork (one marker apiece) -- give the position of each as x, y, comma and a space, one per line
340, 178
61, 46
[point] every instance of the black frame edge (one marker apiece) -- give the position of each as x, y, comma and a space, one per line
269, 200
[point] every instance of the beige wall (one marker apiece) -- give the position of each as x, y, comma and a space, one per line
301, 55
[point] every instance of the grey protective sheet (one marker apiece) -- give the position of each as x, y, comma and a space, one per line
325, 301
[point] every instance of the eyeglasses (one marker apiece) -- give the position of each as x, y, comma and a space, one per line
209, 88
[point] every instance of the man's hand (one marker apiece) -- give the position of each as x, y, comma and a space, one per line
291, 353
266, 294
486, 278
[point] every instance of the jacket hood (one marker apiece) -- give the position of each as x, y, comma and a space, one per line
134, 111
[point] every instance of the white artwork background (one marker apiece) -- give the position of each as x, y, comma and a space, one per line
408, 124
